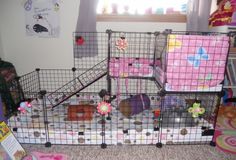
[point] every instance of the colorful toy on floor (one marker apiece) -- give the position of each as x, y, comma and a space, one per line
196, 110
24, 107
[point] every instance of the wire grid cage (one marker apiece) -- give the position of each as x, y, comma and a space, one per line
131, 55
59, 125
180, 126
126, 69
90, 48
174, 125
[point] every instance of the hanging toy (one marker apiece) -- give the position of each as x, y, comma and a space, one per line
121, 43
79, 40
24, 107
196, 110
104, 108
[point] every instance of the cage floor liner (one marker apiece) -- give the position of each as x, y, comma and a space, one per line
139, 129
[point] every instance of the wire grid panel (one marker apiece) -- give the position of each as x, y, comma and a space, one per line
71, 123
131, 87
90, 48
196, 61
79, 83
135, 129
52, 79
30, 127
160, 48
131, 54
178, 124
132, 44
96, 87
30, 84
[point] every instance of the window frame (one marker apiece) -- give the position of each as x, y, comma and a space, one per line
171, 18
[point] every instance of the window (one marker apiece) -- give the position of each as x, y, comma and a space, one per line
142, 10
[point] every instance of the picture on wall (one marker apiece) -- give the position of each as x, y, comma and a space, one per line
42, 18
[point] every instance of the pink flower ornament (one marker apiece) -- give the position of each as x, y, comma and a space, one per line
104, 108
121, 44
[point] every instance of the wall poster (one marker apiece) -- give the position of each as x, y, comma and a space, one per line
42, 18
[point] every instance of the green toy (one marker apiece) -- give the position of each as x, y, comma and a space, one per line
196, 110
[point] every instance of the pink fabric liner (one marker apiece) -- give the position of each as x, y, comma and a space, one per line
183, 74
124, 67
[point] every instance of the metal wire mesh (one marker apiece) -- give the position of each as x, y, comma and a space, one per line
131, 67
179, 126
196, 61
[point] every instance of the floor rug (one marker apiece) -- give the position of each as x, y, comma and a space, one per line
46, 156
225, 131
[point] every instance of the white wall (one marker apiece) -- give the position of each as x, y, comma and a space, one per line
1, 48
28, 53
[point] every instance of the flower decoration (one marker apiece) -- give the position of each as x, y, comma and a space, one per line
24, 107
121, 44
104, 108
79, 40
196, 110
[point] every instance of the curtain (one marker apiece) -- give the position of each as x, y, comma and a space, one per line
87, 16
198, 12
86, 29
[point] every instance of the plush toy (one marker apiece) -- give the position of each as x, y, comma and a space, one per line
196, 110
24, 107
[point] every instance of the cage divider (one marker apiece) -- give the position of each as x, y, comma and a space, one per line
45, 117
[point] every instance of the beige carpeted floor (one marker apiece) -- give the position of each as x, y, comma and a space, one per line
174, 152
